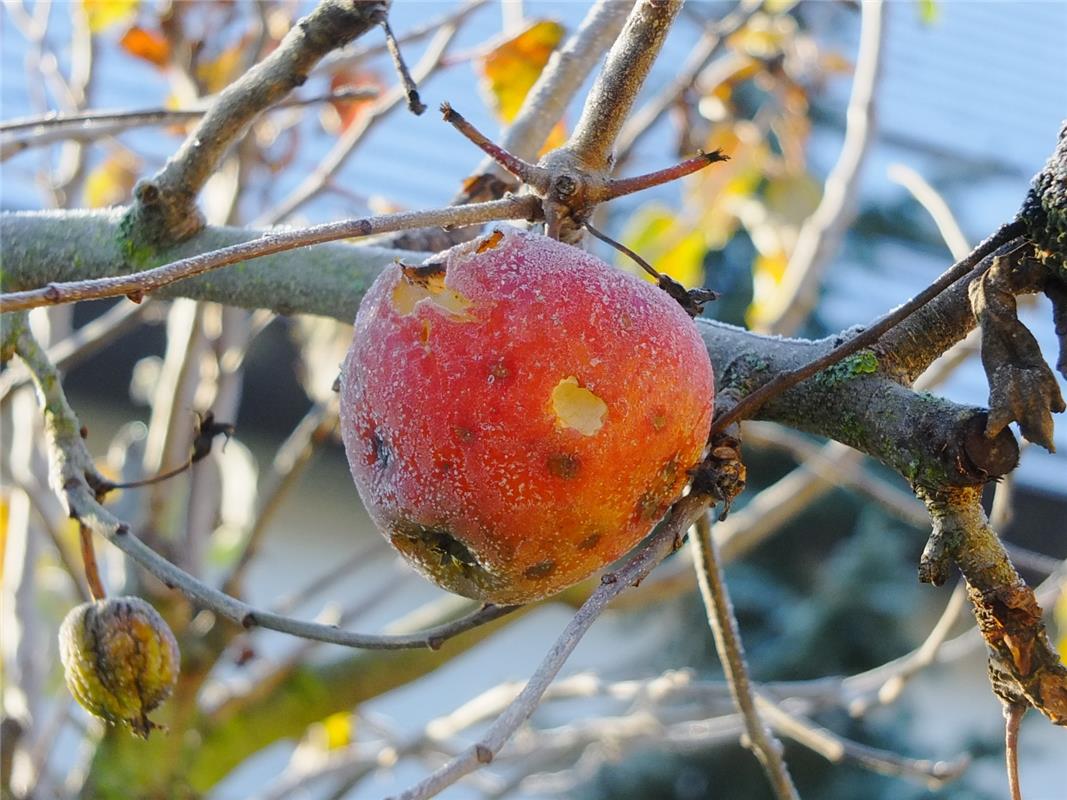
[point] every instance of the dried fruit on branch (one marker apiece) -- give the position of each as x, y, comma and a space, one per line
517, 414
120, 660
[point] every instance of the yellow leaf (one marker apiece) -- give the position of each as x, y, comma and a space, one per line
655, 234
338, 728
103, 14
4, 515
764, 36
720, 192
112, 181
513, 66
767, 273
219, 72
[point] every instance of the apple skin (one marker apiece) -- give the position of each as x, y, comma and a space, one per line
518, 414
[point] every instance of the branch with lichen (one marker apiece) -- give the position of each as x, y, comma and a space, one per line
1023, 666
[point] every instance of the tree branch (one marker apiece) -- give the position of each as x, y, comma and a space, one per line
622, 77
1023, 666
684, 513
78, 483
139, 284
723, 623
165, 208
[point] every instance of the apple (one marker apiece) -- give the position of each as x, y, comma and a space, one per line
518, 414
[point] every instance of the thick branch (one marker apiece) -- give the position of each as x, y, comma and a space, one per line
166, 205
1023, 666
924, 437
627, 66
137, 285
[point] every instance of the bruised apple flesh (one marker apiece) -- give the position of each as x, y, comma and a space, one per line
517, 414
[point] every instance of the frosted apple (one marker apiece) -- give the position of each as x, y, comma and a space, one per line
517, 414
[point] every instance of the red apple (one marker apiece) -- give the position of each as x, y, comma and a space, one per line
517, 414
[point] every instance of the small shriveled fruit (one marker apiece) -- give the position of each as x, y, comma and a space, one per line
517, 414
120, 660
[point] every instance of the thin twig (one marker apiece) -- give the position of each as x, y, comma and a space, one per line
752, 402
360, 54
521, 169
1013, 717
25, 134
838, 749
731, 651
682, 515
140, 284
411, 91
92, 571
931, 200
338, 155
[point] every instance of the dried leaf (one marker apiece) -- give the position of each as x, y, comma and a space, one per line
150, 46
103, 14
513, 66
340, 115
1022, 388
112, 181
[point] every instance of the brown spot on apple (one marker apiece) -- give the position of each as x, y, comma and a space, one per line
589, 542
541, 569
564, 465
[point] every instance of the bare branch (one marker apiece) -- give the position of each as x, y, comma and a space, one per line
731, 651
138, 285
88, 126
166, 204
76, 479
616, 88
682, 515
345, 145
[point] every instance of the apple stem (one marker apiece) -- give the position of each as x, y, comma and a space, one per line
92, 571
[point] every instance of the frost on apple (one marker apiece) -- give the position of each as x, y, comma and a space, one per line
517, 414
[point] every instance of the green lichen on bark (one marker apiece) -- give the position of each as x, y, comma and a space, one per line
865, 362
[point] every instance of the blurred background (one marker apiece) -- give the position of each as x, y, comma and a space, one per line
965, 106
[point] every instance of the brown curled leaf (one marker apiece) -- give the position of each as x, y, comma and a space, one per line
1022, 388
